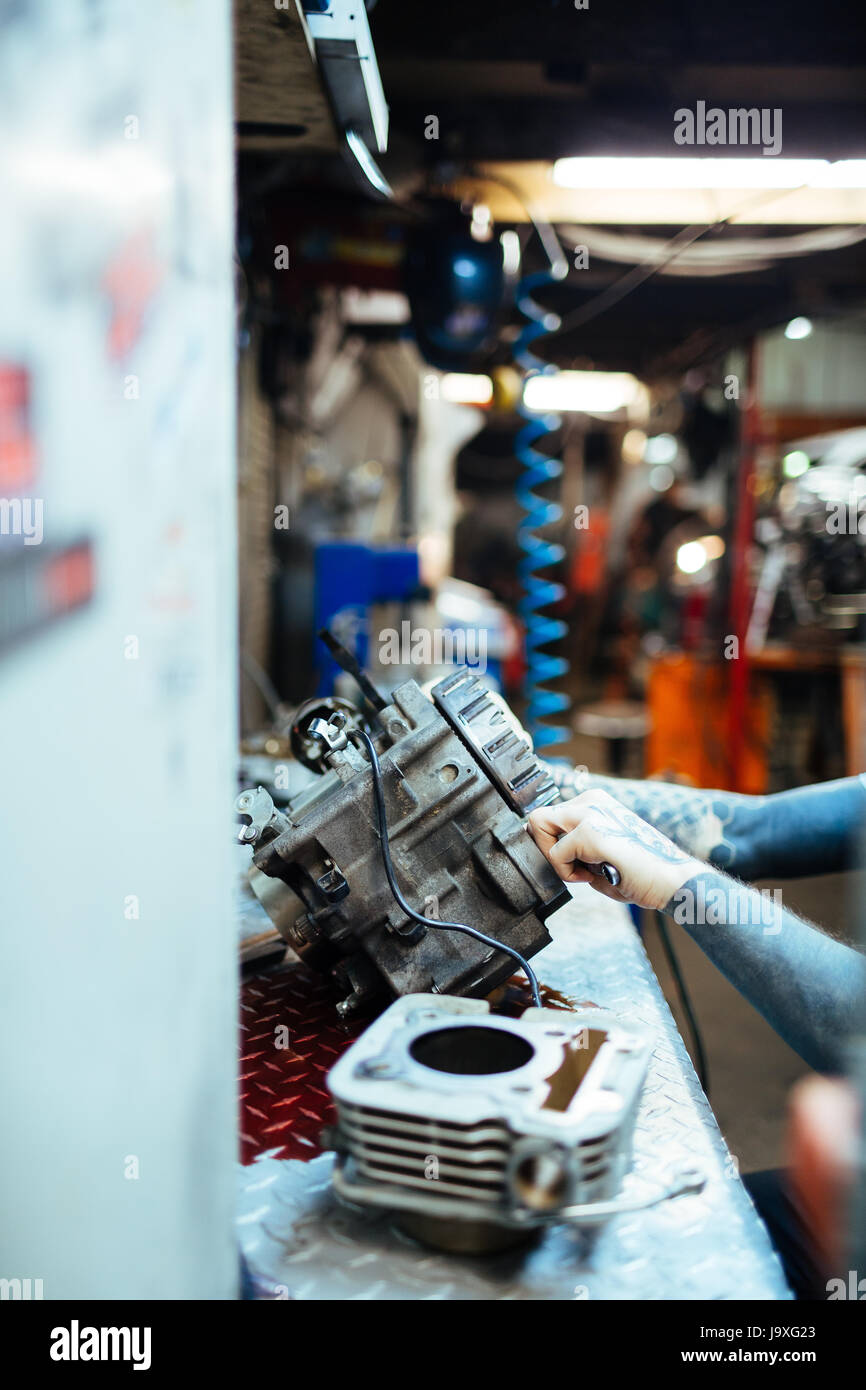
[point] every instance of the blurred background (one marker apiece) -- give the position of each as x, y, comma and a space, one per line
418, 323
523, 374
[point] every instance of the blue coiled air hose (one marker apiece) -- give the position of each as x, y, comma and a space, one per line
539, 554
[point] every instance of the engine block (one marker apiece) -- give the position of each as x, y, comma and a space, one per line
461, 853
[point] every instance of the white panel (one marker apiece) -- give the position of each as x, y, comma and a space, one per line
822, 373
117, 1032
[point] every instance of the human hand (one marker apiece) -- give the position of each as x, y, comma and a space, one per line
594, 828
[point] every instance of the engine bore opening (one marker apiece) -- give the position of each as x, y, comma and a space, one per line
471, 1051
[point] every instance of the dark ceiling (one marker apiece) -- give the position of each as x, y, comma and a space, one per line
535, 79
538, 79
642, 31
519, 79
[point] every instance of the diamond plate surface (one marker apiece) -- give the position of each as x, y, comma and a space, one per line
283, 1097
301, 1243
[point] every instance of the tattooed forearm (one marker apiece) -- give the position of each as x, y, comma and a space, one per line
700, 822
808, 986
624, 824
809, 830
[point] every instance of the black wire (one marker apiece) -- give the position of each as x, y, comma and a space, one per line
263, 683
644, 270
544, 230
697, 1040
381, 817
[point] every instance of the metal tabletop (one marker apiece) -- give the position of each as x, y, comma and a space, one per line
300, 1242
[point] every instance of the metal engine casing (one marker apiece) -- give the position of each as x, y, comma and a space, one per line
469, 1124
461, 853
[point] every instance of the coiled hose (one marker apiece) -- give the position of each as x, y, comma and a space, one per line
539, 554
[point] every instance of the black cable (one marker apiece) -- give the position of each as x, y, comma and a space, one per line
697, 1040
544, 230
381, 817
263, 683
632, 279
352, 667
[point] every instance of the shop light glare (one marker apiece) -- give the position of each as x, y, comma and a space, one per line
633, 445
464, 388
795, 464
798, 328
661, 478
691, 557
660, 448
708, 172
510, 243
713, 547
596, 393
481, 228
844, 173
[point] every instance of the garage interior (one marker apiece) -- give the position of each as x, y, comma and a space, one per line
509, 100
388, 341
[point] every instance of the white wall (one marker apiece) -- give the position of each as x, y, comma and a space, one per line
117, 1032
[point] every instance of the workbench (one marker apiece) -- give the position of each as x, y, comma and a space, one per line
300, 1242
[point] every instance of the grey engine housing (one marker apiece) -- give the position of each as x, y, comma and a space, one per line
461, 852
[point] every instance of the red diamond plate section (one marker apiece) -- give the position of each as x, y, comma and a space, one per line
290, 1038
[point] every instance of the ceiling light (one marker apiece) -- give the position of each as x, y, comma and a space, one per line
798, 328
596, 393
688, 173
464, 388
845, 173
625, 192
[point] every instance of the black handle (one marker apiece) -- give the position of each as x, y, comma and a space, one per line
604, 870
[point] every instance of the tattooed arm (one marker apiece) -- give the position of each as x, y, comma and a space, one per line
810, 830
809, 987
578, 836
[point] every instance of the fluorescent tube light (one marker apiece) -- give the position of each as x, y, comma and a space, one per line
597, 393
655, 173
